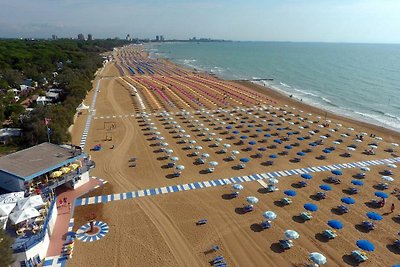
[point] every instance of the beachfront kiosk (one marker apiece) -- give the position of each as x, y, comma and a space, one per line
27, 209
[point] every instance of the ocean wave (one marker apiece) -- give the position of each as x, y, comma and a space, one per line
392, 116
284, 84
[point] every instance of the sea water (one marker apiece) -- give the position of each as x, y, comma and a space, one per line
361, 81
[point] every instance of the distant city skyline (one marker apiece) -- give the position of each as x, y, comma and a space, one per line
359, 21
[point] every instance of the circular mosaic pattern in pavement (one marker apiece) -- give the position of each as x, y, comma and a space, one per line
100, 229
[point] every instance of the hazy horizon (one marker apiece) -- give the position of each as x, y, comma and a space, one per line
326, 21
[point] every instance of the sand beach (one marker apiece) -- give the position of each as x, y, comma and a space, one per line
151, 116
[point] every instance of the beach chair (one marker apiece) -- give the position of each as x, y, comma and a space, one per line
302, 184
271, 188
368, 225
132, 165
397, 243
201, 222
286, 201
217, 259
234, 195
360, 175
343, 209
321, 195
177, 174
241, 166
334, 180
359, 256
306, 215
221, 264
382, 186
210, 170
132, 159
286, 244
265, 225
248, 208
387, 172
330, 234
353, 190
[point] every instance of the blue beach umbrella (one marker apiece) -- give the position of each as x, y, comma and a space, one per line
348, 200
252, 143
327, 151
311, 207
243, 137
381, 194
250, 125
244, 160
306, 176
289, 133
357, 182
259, 130
267, 135
235, 132
301, 153
337, 172
280, 128
325, 187
278, 141
374, 216
271, 124
288, 147
313, 144
335, 224
365, 245
229, 127
273, 156
237, 186
300, 138
262, 149
290, 193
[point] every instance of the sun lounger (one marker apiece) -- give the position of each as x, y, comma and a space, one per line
234, 195
265, 224
353, 190
286, 201
248, 208
397, 243
201, 222
286, 244
302, 184
132, 165
382, 186
368, 225
321, 195
217, 259
343, 209
221, 264
306, 215
331, 234
387, 172
359, 256
132, 159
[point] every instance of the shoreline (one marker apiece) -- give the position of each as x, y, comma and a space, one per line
286, 99
359, 119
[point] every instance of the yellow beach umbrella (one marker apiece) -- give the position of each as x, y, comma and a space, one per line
65, 170
56, 174
74, 166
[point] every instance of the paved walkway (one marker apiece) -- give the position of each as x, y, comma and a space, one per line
221, 182
89, 118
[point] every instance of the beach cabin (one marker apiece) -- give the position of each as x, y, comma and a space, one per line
31, 176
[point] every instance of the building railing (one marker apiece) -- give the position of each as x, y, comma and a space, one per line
70, 176
37, 238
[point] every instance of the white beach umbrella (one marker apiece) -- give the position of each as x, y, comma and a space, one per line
343, 135
395, 144
336, 142
252, 200
192, 142
373, 146
387, 178
378, 138
180, 167
391, 165
213, 163
339, 125
205, 155
323, 137
365, 169
351, 148
317, 258
269, 215
291, 234
227, 145
237, 187
5, 209
174, 158
169, 151
218, 139
30, 202
358, 141
273, 181
23, 215
198, 147
332, 130
164, 144
235, 152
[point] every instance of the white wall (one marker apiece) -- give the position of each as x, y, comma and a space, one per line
53, 218
84, 179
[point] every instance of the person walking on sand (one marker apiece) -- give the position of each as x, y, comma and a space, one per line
69, 206
392, 208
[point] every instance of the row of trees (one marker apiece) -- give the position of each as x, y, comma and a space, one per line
75, 61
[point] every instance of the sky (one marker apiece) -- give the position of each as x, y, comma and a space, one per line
360, 21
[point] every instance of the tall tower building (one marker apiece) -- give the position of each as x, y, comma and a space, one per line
81, 37
89, 37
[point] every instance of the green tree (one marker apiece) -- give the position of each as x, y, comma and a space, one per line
6, 241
